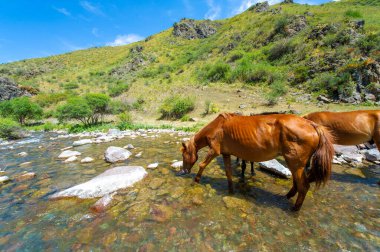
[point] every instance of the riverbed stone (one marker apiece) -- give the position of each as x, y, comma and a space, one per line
68, 153
4, 179
177, 192
161, 213
87, 160
275, 167
82, 142
156, 183
105, 183
22, 154
25, 163
71, 159
242, 204
116, 154
103, 203
152, 166
177, 164
372, 155
25, 176
129, 146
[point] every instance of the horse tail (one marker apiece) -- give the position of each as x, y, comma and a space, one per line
320, 170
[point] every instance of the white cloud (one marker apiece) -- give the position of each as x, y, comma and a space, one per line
95, 32
63, 11
91, 8
125, 39
214, 10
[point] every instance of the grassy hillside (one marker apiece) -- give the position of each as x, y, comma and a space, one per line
269, 55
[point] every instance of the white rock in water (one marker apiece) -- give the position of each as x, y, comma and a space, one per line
87, 160
139, 154
25, 163
69, 153
372, 155
66, 148
82, 142
102, 204
275, 167
129, 146
178, 164
71, 159
4, 179
105, 183
116, 154
344, 149
114, 132
22, 154
153, 166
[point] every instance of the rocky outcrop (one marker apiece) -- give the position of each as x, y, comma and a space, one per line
106, 183
297, 23
259, 7
191, 29
9, 89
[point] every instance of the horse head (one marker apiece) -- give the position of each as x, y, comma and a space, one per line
189, 155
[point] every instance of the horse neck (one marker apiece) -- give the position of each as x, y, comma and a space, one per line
200, 141
201, 138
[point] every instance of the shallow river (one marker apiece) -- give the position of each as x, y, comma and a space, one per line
168, 213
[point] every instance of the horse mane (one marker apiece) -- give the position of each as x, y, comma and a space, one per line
275, 113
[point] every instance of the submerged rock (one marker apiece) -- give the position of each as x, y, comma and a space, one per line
129, 146
82, 142
156, 183
87, 160
153, 166
103, 203
275, 167
242, 204
161, 213
25, 176
69, 153
22, 154
105, 183
4, 179
116, 154
71, 159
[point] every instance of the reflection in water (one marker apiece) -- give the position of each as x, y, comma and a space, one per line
173, 213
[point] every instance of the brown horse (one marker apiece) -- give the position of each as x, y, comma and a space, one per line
261, 138
350, 128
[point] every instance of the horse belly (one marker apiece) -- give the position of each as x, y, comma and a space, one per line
252, 153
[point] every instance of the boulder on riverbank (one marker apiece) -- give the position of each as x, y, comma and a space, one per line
105, 183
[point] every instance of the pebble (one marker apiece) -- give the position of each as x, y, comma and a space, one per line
129, 146
4, 179
68, 153
139, 154
71, 159
22, 154
87, 160
152, 166
25, 176
177, 164
25, 163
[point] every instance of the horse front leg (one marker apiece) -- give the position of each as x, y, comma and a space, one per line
253, 169
243, 167
227, 166
211, 154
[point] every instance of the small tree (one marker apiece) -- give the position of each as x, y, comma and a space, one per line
21, 108
75, 108
98, 103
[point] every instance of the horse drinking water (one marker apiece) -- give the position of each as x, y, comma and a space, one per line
261, 138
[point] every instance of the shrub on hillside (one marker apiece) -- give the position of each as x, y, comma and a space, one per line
277, 89
215, 72
125, 121
175, 107
117, 89
280, 49
70, 86
45, 100
116, 107
10, 129
369, 43
333, 85
248, 71
21, 109
353, 14
210, 108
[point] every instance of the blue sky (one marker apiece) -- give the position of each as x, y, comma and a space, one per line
39, 28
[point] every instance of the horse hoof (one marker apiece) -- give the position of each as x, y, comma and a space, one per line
296, 208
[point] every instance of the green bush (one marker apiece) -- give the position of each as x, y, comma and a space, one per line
70, 86
116, 107
280, 49
353, 14
9, 129
175, 107
278, 89
45, 100
21, 109
138, 105
48, 126
185, 118
301, 74
117, 89
75, 109
210, 108
248, 71
125, 121
215, 72
369, 43
333, 85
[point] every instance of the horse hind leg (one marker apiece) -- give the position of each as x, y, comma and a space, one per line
227, 166
293, 190
243, 167
253, 169
302, 187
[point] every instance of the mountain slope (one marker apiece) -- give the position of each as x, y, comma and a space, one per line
331, 49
